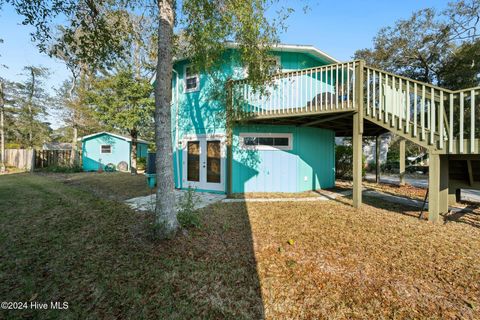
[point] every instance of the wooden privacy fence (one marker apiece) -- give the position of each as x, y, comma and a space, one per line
20, 158
48, 158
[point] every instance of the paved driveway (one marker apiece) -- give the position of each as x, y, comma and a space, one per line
467, 194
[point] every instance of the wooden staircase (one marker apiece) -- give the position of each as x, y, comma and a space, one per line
441, 120
350, 95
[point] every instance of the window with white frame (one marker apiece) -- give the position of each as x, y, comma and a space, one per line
266, 141
274, 65
192, 80
105, 148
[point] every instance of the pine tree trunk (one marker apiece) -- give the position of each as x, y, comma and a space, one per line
166, 214
73, 154
133, 151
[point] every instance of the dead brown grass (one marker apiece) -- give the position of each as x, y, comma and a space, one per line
363, 264
108, 185
284, 260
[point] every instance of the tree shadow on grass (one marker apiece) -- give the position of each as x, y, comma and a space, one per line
61, 243
469, 215
211, 271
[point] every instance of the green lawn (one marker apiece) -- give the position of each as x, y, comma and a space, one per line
69, 238
59, 242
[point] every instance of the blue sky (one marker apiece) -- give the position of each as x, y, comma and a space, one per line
336, 27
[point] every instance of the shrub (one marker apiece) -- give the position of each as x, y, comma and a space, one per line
141, 163
62, 169
344, 162
187, 215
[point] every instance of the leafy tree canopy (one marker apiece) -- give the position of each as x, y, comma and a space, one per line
422, 46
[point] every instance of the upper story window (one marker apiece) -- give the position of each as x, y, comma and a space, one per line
106, 148
192, 80
266, 141
274, 65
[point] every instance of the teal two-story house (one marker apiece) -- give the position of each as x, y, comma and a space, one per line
265, 157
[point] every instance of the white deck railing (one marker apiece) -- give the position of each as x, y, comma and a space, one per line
326, 88
436, 115
439, 117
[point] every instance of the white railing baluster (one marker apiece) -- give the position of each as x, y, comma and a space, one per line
380, 97
336, 86
401, 104
415, 115
407, 114
450, 124
310, 98
422, 113
296, 94
321, 89
432, 117
461, 123
374, 92
440, 120
472, 121
348, 85
354, 79
368, 92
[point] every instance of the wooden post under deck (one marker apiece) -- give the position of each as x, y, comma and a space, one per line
402, 162
357, 136
437, 186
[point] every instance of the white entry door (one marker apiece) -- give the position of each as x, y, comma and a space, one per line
204, 163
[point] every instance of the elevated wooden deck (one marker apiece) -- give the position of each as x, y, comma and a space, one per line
355, 100
438, 119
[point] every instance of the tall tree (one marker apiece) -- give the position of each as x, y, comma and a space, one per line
419, 47
208, 24
123, 103
29, 101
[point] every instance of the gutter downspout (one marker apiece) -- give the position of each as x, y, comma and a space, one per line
176, 128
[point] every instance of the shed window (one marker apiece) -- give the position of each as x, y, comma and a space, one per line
266, 141
106, 148
192, 80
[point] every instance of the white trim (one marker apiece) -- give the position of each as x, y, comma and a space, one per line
111, 134
203, 184
195, 75
287, 48
105, 145
266, 135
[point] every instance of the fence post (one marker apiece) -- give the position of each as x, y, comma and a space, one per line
32, 160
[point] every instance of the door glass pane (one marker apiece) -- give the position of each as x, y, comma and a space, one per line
193, 161
213, 161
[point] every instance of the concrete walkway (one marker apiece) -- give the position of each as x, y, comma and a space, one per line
467, 194
201, 200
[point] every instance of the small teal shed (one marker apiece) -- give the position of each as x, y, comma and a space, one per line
103, 148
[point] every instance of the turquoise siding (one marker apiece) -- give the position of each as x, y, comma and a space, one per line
92, 158
310, 165
273, 171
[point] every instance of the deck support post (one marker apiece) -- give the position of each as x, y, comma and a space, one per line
357, 135
402, 161
377, 159
437, 186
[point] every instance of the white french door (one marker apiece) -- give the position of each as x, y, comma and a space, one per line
204, 162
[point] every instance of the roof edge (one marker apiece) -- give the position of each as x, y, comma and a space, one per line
285, 47
112, 134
